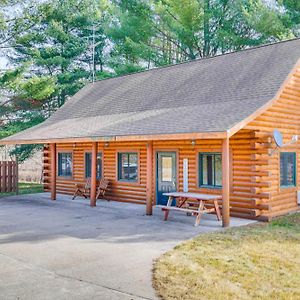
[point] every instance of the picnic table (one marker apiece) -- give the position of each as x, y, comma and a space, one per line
192, 203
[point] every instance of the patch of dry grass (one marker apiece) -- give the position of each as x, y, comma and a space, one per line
255, 262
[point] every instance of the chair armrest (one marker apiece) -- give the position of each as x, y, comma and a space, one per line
79, 185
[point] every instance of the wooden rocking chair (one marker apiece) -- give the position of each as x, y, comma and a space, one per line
102, 188
85, 190
82, 189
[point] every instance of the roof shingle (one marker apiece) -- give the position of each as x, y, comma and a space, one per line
207, 95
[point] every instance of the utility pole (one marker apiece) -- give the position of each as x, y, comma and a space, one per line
93, 48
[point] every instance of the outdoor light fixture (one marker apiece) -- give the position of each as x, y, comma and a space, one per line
106, 144
193, 142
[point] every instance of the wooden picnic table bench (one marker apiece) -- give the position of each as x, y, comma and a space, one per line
191, 207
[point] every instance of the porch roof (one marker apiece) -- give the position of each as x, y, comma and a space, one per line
206, 96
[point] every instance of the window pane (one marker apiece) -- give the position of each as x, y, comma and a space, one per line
204, 170
88, 165
64, 164
290, 169
282, 170
218, 170
287, 169
133, 158
124, 166
210, 169
128, 166
166, 169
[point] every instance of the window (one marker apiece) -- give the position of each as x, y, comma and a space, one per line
287, 169
128, 166
88, 164
65, 164
166, 168
210, 167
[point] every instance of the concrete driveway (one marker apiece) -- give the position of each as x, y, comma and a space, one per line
67, 250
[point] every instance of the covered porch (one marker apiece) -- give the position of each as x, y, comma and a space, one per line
150, 171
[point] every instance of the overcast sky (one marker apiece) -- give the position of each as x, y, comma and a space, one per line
3, 63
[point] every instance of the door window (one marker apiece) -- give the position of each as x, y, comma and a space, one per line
166, 176
166, 169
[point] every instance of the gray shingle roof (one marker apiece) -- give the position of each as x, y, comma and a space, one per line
208, 95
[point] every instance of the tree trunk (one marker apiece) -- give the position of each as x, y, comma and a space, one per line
206, 48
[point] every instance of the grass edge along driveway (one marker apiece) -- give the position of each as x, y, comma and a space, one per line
260, 261
26, 188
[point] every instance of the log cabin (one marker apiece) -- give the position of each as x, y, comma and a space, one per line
200, 126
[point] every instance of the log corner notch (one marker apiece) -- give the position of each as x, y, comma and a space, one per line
53, 170
149, 178
94, 175
225, 183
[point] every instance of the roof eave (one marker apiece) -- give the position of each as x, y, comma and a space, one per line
128, 138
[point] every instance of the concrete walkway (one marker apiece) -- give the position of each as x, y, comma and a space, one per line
67, 250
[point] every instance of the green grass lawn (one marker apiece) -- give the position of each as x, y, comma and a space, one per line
26, 188
260, 261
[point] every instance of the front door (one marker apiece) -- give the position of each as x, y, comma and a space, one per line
166, 175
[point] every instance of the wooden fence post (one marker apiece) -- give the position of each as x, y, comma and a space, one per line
10, 165
8, 176
1, 174
4, 176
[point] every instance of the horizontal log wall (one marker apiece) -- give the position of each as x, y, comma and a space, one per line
120, 191
244, 201
255, 174
285, 116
